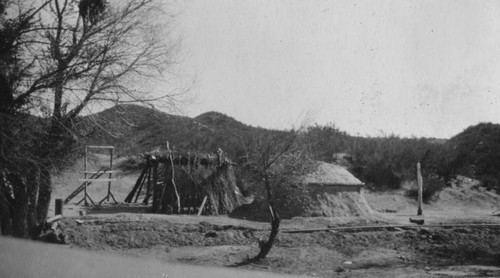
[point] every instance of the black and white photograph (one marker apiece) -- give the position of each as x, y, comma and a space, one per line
249, 138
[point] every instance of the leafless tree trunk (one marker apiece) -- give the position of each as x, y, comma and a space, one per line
5, 207
262, 151
266, 246
19, 206
44, 195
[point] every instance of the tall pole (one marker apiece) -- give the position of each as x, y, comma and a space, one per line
110, 171
420, 189
85, 178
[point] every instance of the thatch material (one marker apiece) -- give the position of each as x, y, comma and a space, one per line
223, 194
192, 177
331, 175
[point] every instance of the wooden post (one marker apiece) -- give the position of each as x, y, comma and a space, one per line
420, 189
173, 179
59, 207
85, 177
148, 189
153, 181
200, 210
138, 183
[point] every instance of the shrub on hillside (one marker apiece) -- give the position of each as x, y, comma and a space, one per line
476, 153
382, 162
432, 184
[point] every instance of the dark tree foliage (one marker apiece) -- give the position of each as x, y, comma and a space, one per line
57, 57
475, 152
91, 10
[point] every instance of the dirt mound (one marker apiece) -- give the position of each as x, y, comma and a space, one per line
464, 196
340, 204
467, 193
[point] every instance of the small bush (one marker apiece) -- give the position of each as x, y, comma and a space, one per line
491, 182
132, 163
432, 186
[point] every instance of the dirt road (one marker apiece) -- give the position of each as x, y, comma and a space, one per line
19, 258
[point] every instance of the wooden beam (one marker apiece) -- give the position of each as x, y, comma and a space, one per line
55, 218
97, 180
96, 172
387, 227
200, 210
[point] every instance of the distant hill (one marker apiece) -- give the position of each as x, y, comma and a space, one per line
475, 152
135, 129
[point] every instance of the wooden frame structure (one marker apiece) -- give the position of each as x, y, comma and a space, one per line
95, 177
187, 183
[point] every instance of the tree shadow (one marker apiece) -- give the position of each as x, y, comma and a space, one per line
255, 261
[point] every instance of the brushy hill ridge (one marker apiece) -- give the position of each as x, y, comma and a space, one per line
135, 129
378, 161
475, 152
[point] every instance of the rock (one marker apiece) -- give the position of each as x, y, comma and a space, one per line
417, 221
230, 235
248, 234
339, 269
424, 231
211, 234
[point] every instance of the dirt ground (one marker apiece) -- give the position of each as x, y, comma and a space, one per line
353, 252
409, 250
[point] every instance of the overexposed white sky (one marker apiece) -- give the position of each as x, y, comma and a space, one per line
412, 68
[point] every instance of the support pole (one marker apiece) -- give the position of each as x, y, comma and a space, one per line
420, 189
200, 210
137, 185
59, 207
153, 182
149, 189
85, 177
173, 179
109, 195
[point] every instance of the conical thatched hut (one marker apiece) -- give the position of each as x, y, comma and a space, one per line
328, 190
182, 182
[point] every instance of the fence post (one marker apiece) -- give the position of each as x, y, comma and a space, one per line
59, 207
420, 189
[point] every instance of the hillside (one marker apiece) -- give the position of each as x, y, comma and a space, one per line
134, 129
475, 152
378, 161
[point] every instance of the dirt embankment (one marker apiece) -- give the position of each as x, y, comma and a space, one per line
323, 253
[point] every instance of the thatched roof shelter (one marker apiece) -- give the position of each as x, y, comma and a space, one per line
185, 182
332, 175
334, 192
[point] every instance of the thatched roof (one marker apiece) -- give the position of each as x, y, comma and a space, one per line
191, 158
331, 174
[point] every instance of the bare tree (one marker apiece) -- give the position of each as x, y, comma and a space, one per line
71, 55
263, 150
